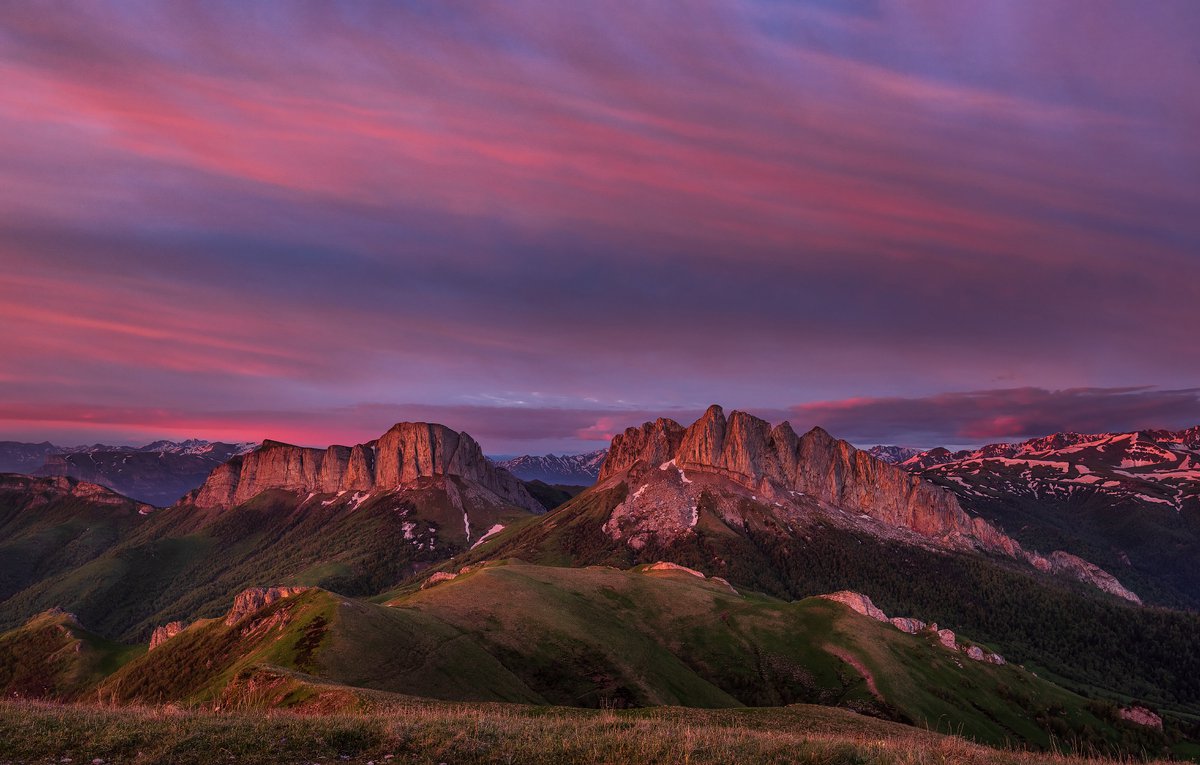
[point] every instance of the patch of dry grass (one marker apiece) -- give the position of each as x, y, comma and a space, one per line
421, 732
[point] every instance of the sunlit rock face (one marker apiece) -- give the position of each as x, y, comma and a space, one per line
719, 462
409, 451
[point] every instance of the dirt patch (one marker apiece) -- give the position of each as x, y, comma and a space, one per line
858, 667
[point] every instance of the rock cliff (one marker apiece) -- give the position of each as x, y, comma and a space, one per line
1064, 563
407, 452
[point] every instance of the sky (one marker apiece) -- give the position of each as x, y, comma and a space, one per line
909, 221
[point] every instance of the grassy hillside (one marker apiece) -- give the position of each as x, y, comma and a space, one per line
45, 534
600, 637
183, 562
52, 657
428, 733
1093, 643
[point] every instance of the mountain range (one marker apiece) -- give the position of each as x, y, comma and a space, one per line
687, 573
158, 473
553, 469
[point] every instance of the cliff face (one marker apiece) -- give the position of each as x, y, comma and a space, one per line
407, 452
782, 470
775, 462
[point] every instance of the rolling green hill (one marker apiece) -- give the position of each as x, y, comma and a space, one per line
52, 657
601, 637
51, 526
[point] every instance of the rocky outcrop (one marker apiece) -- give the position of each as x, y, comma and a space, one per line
857, 602
1140, 716
1066, 564
164, 633
948, 639
663, 565
409, 451
862, 604
250, 600
652, 444
436, 578
907, 624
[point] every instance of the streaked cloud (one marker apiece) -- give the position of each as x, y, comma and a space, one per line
212, 208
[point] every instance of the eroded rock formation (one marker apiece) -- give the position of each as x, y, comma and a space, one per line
858, 602
1140, 716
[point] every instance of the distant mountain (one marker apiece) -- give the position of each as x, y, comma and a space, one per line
565, 470
49, 527
893, 454
1127, 501
159, 473
19, 457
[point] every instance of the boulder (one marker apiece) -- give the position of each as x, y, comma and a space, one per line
908, 624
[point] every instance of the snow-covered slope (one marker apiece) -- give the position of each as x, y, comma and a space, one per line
1151, 466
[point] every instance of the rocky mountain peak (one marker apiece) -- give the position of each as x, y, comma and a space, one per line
653, 443
661, 463
775, 462
408, 451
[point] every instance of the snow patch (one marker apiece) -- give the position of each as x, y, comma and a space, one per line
493, 530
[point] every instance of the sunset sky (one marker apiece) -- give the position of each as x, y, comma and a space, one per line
909, 221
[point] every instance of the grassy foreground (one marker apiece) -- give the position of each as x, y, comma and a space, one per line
430, 732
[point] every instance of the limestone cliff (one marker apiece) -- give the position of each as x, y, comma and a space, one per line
779, 469
407, 452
